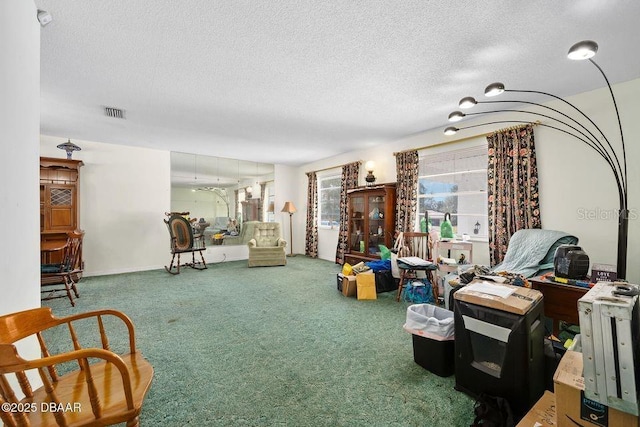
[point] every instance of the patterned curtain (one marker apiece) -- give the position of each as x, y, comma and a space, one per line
406, 189
512, 181
311, 241
350, 175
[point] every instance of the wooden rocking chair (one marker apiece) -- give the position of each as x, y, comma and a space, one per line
183, 240
101, 389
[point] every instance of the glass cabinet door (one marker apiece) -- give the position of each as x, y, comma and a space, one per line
376, 223
356, 226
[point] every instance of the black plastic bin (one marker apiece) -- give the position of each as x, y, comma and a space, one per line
432, 330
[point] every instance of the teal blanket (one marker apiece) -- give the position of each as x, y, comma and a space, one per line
532, 250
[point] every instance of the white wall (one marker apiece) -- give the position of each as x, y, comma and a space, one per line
124, 193
19, 167
575, 184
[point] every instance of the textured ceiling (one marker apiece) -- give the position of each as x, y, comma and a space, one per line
293, 81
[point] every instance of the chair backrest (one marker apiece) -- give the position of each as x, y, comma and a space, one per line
417, 244
73, 251
180, 231
266, 233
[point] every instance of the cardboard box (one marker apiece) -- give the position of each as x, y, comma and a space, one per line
543, 413
349, 287
573, 408
519, 302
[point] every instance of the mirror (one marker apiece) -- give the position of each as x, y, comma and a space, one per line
223, 194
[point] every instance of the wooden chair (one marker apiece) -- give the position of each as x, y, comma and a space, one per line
102, 388
183, 240
416, 245
58, 280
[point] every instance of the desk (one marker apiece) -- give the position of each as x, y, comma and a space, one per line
560, 301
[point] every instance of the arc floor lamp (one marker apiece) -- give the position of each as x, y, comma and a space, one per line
583, 128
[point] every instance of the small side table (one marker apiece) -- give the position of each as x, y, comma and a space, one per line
560, 301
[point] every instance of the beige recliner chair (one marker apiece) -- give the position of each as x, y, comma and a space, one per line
267, 248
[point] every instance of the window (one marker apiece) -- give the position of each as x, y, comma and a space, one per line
455, 181
329, 201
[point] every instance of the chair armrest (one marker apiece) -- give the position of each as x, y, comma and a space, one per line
252, 243
281, 242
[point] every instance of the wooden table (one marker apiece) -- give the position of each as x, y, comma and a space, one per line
560, 301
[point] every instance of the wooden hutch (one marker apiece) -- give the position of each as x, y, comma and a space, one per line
59, 200
372, 218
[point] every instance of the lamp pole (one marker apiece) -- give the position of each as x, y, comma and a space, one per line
291, 233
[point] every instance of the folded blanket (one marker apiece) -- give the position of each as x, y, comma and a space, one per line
532, 250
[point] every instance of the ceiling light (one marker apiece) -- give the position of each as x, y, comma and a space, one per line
451, 130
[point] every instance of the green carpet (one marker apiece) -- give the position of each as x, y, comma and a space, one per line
233, 346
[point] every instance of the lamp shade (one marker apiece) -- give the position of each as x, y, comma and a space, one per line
467, 102
583, 50
271, 207
494, 89
289, 208
456, 116
369, 166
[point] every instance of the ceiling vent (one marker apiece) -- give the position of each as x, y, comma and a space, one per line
114, 112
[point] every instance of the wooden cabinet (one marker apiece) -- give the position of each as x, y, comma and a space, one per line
59, 199
372, 217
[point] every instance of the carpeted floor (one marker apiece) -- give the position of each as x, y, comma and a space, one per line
233, 346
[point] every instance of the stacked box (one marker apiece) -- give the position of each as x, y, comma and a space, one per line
574, 408
349, 287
